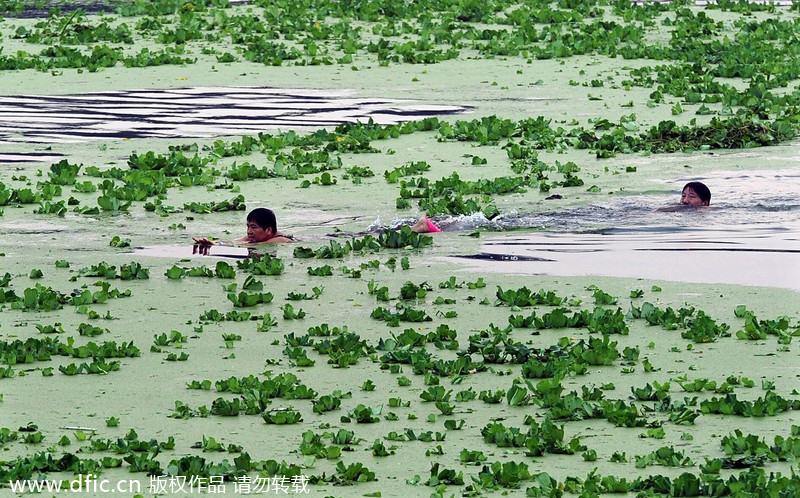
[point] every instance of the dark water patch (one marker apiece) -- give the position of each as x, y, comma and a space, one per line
37, 9
511, 258
192, 113
30, 227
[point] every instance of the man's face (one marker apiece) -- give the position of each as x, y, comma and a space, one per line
257, 234
690, 198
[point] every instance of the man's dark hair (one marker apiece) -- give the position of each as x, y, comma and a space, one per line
701, 190
264, 218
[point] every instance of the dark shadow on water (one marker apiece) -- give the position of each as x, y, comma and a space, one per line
503, 257
37, 9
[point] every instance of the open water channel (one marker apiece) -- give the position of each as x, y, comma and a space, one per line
749, 235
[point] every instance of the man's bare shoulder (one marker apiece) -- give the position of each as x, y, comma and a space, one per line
277, 239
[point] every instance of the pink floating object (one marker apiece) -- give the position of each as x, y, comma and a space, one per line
431, 226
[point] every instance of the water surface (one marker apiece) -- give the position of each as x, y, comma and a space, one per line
746, 255
192, 112
750, 236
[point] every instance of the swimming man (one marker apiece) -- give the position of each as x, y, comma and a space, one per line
695, 194
262, 228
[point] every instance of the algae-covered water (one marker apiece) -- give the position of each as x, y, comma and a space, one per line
602, 247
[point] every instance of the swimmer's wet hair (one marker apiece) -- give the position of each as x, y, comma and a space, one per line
264, 218
701, 190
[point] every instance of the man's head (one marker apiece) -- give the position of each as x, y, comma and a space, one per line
695, 194
261, 225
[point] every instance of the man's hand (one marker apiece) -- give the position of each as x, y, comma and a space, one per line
201, 249
202, 245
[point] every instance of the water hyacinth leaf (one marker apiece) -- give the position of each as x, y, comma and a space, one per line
116, 241
518, 396
224, 270
175, 272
